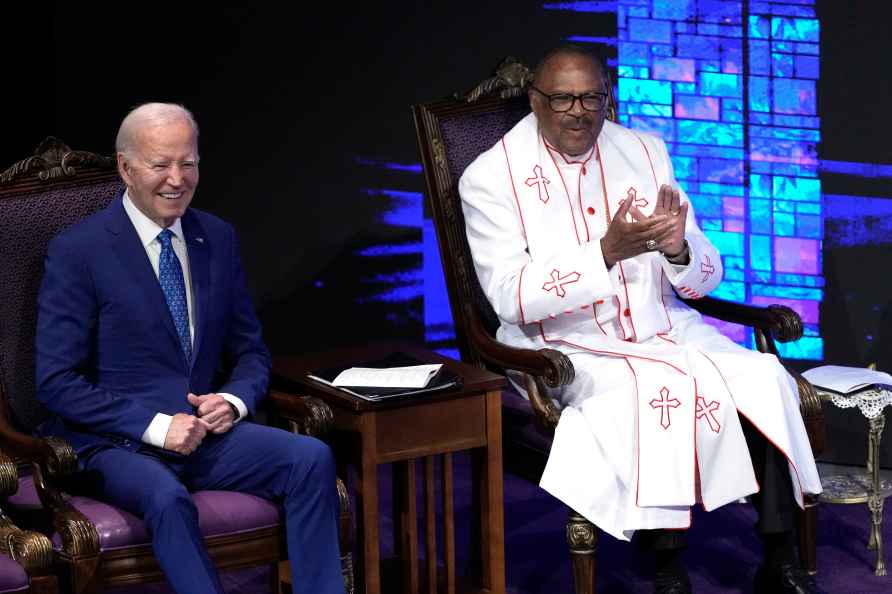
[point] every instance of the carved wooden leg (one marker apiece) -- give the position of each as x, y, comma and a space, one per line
345, 537
275, 580
44, 584
582, 538
875, 497
81, 575
282, 575
808, 535
405, 523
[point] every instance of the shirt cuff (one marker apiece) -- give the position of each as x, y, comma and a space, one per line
156, 433
237, 403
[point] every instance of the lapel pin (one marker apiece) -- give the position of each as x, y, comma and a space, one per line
199, 239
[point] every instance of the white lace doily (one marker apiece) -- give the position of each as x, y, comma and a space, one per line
871, 401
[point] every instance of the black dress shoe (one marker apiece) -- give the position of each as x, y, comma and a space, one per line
786, 579
671, 583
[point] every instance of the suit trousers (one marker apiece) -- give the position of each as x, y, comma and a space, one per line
774, 503
295, 471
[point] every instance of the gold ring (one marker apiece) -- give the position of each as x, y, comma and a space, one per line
674, 213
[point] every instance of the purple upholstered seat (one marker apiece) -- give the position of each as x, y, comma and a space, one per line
12, 577
219, 513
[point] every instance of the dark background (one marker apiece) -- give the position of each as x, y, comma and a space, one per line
854, 98
288, 97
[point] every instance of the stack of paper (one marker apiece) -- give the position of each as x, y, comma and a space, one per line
846, 380
396, 375
413, 376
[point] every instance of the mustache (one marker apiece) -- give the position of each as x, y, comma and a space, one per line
574, 121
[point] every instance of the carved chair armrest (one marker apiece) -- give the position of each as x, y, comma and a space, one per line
812, 411
305, 414
52, 460
780, 321
35, 450
32, 550
541, 368
9, 476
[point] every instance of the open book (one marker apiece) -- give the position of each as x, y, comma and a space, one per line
847, 380
397, 375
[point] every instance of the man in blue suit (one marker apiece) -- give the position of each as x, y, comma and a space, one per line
150, 356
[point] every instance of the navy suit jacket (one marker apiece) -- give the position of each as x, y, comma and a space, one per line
108, 357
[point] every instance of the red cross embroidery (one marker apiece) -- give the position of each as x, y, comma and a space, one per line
664, 404
557, 282
705, 409
540, 182
632, 195
706, 268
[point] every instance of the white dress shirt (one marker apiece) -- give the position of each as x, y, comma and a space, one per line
148, 231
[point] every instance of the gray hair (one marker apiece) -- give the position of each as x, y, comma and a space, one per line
149, 114
569, 49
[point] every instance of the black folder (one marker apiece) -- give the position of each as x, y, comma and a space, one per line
444, 380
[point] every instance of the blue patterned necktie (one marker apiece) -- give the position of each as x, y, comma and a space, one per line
170, 275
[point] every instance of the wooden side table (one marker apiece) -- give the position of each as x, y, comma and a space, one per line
401, 431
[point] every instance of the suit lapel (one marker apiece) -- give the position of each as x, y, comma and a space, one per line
129, 250
199, 267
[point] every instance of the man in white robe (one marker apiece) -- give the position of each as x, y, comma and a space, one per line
582, 241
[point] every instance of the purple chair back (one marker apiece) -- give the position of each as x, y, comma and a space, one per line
39, 197
451, 134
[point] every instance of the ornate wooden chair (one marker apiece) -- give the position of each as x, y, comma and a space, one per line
451, 133
26, 557
96, 544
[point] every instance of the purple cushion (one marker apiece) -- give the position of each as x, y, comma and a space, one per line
26, 497
12, 577
219, 512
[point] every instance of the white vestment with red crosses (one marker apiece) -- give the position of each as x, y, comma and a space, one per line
650, 424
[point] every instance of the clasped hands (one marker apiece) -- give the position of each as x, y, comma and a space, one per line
663, 230
213, 414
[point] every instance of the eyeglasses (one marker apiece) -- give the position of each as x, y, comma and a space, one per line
563, 102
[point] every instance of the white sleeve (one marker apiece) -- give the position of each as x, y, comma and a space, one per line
523, 289
704, 271
237, 402
156, 433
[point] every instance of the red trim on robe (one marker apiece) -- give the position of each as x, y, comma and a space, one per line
614, 353
696, 460
523, 319
514, 189
595, 315
619, 313
765, 435
567, 194
588, 236
667, 339
620, 264
628, 304
637, 434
